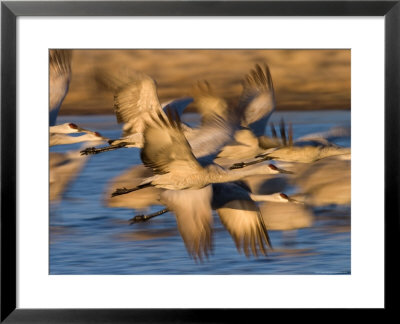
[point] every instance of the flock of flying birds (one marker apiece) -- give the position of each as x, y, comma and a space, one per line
226, 163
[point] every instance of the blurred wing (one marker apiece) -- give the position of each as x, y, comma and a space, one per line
325, 138
246, 146
138, 199
257, 101
60, 75
285, 217
193, 213
177, 105
166, 148
243, 221
211, 136
135, 97
207, 103
63, 170
60, 61
246, 137
229, 191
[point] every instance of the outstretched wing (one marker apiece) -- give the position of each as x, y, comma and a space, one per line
60, 61
177, 105
257, 101
166, 148
193, 213
60, 75
207, 102
207, 140
135, 97
244, 223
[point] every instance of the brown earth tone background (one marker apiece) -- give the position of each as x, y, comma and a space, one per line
303, 79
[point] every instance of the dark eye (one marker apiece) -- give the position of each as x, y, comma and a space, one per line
72, 125
273, 167
284, 196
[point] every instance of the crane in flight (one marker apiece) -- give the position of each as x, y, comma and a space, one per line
236, 208
167, 152
135, 100
188, 184
59, 80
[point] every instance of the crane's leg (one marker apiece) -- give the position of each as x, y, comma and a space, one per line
245, 164
123, 191
145, 218
94, 150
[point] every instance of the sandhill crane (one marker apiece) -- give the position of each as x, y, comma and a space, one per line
63, 168
135, 100
59, 79
164, 130
234, 205
325, 182
151, 195
286, 217
167, 152
131, 138
138, 199
326, 137
205, 140
256, 104
257, 101
59, 135
307, 154
308, 149
60, 139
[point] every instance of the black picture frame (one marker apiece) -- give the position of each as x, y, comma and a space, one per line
10, 10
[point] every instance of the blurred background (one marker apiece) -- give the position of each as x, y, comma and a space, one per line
303, 79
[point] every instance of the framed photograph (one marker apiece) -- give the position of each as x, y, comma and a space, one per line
263, 161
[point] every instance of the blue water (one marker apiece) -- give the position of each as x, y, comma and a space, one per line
87, 237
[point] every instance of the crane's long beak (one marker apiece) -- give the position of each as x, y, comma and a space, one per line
83, 130
295, 201
284, 171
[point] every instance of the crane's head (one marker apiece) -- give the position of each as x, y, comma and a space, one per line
275, 170
93, 136
73, 126
96, 136
282, 197
76, 129
278, 197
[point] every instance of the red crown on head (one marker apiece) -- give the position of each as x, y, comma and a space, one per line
273, 167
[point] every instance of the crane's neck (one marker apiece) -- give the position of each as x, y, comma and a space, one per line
270, 198
58, 139
332, 151
220, 175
